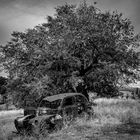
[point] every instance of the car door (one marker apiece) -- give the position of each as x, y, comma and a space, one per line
69, 108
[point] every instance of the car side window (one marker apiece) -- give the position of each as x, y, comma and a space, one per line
68, 101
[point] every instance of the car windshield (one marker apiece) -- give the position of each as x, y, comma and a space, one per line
53, 105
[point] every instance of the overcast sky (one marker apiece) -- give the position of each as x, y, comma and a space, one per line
18, 15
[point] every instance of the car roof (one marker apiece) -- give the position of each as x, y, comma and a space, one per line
60, 96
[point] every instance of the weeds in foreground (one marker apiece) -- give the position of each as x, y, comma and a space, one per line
108, 114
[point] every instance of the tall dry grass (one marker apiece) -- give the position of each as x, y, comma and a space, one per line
117, 110
108, 113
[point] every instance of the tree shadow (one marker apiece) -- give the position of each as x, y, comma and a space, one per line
129, 128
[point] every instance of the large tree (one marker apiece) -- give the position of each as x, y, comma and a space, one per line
77, 44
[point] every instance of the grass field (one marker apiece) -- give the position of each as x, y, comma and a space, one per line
114, 119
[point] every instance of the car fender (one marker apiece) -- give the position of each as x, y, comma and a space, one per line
20, 122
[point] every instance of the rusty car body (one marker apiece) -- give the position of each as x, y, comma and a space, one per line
52, 112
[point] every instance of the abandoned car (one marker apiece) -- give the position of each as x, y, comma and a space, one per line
52, 112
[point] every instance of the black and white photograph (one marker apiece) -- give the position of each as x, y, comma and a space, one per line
69, 69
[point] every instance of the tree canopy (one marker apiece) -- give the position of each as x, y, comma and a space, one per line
78, 43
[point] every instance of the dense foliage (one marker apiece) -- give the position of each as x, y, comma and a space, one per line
79, 44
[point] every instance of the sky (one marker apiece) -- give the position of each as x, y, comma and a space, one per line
19, 15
